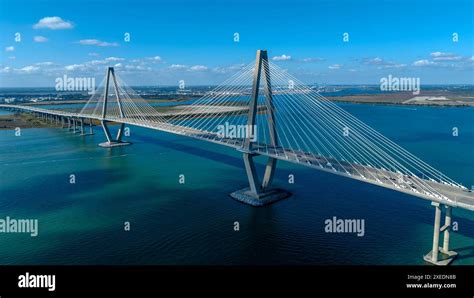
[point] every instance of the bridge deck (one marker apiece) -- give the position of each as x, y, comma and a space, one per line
434, 191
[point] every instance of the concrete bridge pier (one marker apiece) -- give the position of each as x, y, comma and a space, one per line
82, 126
91, 127
70, 124
441, 256
74, 125
113, 142
83, 129
260, 193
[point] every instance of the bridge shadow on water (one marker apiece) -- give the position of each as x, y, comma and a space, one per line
467, 224
466, 252
197, 151
160, 247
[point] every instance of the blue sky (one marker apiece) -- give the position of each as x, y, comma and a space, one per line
194, 40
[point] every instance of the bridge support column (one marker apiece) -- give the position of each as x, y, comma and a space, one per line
260, 193
91, 129
110, 141
74, 125
83, 129
447, 256
118, 139
82, 126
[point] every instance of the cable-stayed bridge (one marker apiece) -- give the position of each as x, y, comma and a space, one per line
264, 111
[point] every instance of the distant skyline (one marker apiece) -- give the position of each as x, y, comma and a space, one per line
204, 42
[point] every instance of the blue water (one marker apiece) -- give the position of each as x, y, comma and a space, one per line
192, 223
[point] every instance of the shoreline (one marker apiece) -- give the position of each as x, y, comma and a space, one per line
419, 104
22, 120
428, 98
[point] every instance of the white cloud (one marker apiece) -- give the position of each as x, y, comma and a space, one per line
9, 49
74, 67
46, 63
381, 63
29, 69
178, 66
138, 68
93, 54
316, 59
40, 39
198, 68
282, 58
471, 59
394, 65
6, 69
440, 56
53, 23
156, 58
231, 69
12, 57
96, 42
114, 59
335, 66
423, 62
437, 54
97, 62
375, 61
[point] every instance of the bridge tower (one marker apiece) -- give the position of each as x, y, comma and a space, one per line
111, 142
260, 193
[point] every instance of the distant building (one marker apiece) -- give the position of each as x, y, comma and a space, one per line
184, 92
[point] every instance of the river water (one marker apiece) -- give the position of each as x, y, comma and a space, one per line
193, 223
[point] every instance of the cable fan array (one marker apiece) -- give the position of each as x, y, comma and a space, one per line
310, 129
